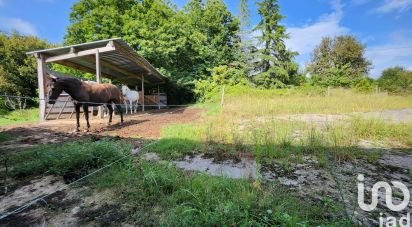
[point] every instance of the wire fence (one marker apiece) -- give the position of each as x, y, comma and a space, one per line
89, 103
43, 197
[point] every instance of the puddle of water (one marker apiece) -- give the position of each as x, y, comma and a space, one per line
247, 169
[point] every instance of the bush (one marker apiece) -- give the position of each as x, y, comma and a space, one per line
396, 80
364, 85
220, 76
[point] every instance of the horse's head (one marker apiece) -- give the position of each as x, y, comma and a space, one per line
125, 89
54, 90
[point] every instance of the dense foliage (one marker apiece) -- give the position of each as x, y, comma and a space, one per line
396, 80
18, 74
220, 76
339, 62
182, 43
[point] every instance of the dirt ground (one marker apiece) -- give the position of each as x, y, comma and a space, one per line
146, 125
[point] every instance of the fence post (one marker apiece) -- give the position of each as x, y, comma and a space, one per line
41, 74
222, 99
99, 81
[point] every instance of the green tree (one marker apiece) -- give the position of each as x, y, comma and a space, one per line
18, 71
181, 43
92, 20
276, 65
339, 62
396, 80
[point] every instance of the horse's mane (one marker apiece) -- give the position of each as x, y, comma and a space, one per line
70, 80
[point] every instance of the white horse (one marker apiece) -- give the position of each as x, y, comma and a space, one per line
132, 96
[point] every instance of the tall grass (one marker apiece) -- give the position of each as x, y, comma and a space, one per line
249, 102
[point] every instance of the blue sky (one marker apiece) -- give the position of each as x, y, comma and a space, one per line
384, 26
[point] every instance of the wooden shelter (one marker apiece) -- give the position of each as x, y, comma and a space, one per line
113, 59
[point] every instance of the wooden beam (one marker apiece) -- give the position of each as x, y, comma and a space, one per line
41, 73
109, 65
80, 67
98, 80
79, 54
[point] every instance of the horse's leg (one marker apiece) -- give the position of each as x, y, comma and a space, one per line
86, 115
119, 108
135, 106
131, 106
125, 102
77, 108
109, 106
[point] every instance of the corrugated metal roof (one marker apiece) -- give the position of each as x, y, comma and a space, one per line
122, 64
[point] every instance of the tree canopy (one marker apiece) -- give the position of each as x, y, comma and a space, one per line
18, 74
183, 44
339, 62
396, 80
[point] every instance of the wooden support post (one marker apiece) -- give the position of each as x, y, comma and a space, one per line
98, 80
142, 92
158, 97
41, 74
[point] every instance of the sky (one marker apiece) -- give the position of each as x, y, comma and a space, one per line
383, 26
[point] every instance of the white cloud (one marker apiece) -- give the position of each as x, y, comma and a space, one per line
305, 38
20, 25
394, 5
396, 52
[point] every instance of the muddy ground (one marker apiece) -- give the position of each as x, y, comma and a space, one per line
66, 208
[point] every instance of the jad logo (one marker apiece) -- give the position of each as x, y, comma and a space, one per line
390, 221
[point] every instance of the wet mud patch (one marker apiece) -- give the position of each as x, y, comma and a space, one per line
243, 168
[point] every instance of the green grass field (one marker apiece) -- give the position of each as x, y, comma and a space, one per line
19, 117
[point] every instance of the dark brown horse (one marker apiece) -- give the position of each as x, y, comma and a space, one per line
84, 94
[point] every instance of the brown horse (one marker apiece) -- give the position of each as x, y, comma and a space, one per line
84, 94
